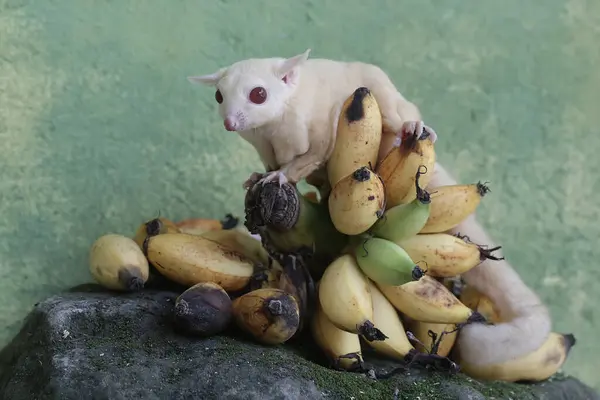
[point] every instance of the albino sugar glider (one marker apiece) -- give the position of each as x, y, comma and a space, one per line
288, 109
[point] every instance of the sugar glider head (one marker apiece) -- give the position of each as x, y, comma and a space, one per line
253, 92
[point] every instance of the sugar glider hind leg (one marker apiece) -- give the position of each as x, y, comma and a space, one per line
529, 320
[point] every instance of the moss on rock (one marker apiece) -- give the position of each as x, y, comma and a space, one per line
89, 343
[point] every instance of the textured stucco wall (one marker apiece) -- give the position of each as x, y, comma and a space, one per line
99, 129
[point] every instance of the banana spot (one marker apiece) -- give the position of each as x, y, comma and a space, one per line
356, 110
362, 174
235, 256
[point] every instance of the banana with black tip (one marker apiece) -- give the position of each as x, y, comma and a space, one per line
271, 316
537, 365
357, 201
452, 204
386, 318
428, 300
399, 167
446, 255
203, 310
117, 263
190, 259
385, 262
346, 299
358, 135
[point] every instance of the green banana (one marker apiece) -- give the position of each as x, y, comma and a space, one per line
405, 220
385, 262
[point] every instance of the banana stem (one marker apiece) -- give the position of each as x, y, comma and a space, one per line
362, 174
370, 332
405, 219
484, 253
289, 222
483, 188
422, 195
229, 221
275, 307
131, 278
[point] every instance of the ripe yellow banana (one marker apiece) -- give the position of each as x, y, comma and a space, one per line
452, 204
445, 255
481, 303
399, 168
346, 299
405, 220
538, 365
341, 348
385, 262
357, 201
428, 300
153, 227
243, 243
204, 310
190, 259
358, 135
118, 263
421, 329
386, 318
271, 316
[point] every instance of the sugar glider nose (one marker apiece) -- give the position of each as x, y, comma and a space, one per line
230, 124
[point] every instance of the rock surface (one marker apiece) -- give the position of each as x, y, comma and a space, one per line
91, 344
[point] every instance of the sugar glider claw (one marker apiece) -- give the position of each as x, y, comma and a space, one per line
271, 176
417, 128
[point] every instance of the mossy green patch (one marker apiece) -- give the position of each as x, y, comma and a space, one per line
90, 343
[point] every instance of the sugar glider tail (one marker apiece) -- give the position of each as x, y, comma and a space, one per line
528, 322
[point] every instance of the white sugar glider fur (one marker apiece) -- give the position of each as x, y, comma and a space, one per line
295, 133
529, 322
308, 105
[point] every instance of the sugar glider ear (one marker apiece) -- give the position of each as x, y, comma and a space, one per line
288, 70
209, 79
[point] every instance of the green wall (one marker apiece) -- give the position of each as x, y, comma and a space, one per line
99, 129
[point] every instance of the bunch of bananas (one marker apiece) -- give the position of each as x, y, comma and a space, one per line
226, 273
391, 286
369, 262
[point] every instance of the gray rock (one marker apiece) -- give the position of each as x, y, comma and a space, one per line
92, 344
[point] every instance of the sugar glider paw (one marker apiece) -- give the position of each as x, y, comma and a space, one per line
274, 175
417, 128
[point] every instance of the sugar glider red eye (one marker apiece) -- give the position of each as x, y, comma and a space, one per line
258, 95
